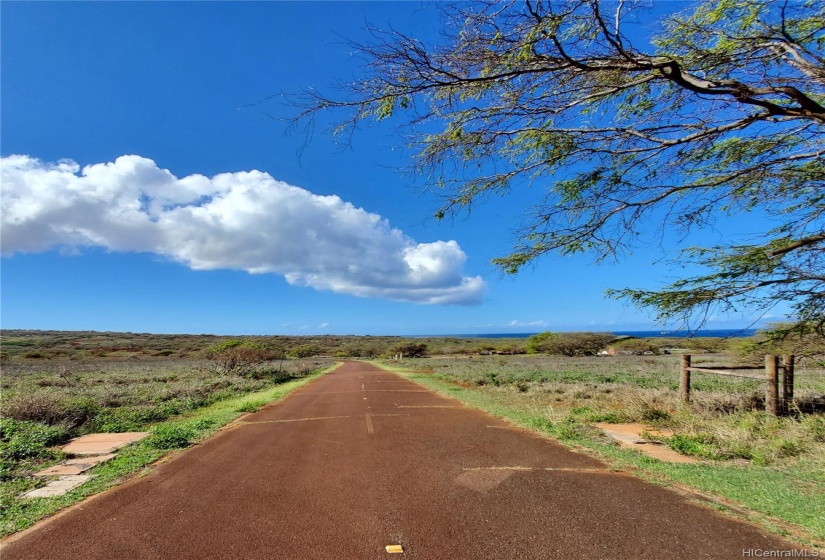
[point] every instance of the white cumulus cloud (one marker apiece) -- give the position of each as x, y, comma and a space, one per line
244, 221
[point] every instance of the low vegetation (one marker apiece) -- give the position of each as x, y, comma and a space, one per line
59, 346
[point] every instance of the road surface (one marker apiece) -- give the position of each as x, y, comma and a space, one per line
361, 459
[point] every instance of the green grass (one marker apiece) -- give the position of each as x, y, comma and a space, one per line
17, 514
791, 490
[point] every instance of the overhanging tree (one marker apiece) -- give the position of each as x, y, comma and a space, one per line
723, 112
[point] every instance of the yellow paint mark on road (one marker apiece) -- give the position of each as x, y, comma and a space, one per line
394, 549
370, 428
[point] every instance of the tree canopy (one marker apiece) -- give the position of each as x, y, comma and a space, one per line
721, 112
569, 343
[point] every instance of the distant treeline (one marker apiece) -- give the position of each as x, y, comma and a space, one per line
45, 345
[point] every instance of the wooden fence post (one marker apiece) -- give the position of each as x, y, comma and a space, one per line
772, 392
684, 379
787, 382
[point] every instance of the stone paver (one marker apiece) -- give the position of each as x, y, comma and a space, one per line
630, 435
98, 444
58, 487
75, 466
661, 452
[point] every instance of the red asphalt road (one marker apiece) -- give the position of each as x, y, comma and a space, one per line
361, 459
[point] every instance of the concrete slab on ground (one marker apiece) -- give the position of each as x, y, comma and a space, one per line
99, 444
75, 466
633, 430
58, 487
658, 451
630, 435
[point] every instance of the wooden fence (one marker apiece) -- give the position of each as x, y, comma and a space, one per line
776, 402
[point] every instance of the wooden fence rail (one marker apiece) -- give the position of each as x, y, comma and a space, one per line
776, 402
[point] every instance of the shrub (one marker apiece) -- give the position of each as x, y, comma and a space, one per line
171, 436
239, 357
179, 435
127, 419
411, 350
706, 344
37, 407
23, 440
637, 345
777, 339
50, 408
303, 351
359, 351
251, 406
568, 344
696, 445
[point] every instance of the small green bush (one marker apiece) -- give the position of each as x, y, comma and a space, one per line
696, 445
22, 441
250, 406
178, 435
171, 436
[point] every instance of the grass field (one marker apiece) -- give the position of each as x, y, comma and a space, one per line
775, 467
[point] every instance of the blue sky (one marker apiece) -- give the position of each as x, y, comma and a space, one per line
160, 197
